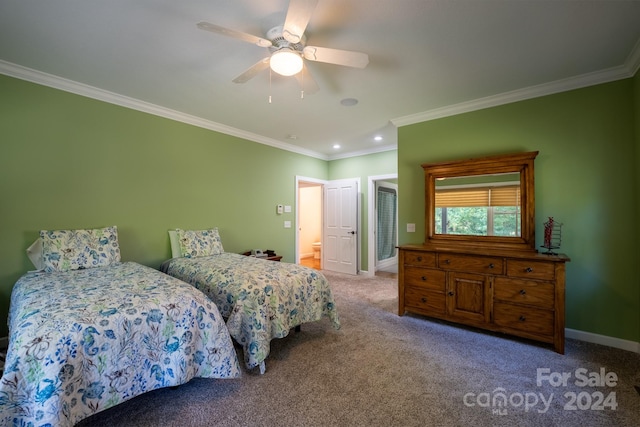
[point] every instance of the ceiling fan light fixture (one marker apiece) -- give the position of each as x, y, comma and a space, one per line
286, 62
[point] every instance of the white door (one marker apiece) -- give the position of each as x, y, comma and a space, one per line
340, 231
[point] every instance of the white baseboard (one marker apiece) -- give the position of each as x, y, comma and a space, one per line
603, 340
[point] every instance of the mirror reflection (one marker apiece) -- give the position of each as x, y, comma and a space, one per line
478, 205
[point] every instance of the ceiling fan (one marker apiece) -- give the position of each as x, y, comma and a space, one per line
286, 44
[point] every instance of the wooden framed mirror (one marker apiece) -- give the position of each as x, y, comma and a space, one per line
483, 202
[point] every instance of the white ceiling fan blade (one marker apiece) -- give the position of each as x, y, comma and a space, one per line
234, 34
336, 56
307, 82
298, 17
259, 66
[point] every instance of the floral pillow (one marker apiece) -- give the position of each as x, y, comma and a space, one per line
196, 243
64, 250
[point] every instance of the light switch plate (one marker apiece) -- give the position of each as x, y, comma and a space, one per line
287, 208
411, 228
287, 224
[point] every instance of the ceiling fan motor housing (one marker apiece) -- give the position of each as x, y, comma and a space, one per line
279, 42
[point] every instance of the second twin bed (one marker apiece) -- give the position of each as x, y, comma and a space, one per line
260, 300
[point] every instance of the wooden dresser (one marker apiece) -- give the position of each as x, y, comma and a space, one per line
518, 293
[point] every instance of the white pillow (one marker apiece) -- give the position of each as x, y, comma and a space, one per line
34, 252
175, 244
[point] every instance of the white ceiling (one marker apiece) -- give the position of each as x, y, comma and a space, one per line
428, 58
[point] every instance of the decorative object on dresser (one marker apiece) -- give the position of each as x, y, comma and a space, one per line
552, 236
488, 276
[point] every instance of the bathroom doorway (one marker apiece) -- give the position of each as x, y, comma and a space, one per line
383, 220
309, 241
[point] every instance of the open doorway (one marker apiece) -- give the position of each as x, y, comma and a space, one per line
327, 224
383, 224
309, 231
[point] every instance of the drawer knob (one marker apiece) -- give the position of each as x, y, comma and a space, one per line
528, 270
424, 278
423, 299
419, 259
522, 318
450, 293
491, 265
522, 292
447, 261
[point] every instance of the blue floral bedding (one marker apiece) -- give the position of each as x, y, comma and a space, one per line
260, 299
85, 340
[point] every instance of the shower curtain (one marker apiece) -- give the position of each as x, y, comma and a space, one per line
387, 205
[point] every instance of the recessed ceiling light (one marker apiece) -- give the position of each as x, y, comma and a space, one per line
349, 102
292, 136
336, 146
377, 138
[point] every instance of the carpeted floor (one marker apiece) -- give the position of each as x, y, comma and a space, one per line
381, 369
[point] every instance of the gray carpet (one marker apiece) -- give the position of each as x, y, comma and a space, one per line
381, 369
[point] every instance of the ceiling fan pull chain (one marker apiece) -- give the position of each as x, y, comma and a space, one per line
269, 85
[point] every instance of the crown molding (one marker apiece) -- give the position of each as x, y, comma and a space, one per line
71, 86
629, 69
380, 149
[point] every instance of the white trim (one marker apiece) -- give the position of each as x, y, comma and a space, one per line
627, 70
590, 79
81, 89
603, 340
381, 149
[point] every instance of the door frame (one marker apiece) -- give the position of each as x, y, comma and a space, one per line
322, 183
371, 200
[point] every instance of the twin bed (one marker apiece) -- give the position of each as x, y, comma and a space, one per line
87, 331
260, 299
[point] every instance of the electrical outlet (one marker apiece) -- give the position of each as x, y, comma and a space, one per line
411, 228
287, 224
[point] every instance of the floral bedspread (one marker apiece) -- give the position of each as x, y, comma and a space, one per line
85, 340
260, 299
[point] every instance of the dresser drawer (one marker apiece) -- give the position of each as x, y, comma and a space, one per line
531, 269
470, 263
524, 292
422, 259
424, 299
425, 278
526, 319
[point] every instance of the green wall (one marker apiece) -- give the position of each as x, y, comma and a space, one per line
585, 175
67, 161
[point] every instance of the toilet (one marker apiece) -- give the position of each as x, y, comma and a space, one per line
317, 246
